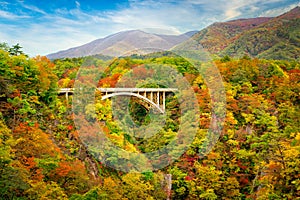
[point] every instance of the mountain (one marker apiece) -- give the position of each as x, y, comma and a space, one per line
263, 37
218, 36
125, 43
269, 38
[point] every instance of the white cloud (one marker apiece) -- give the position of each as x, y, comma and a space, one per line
11, 16
278, 11
236, 8
33, 8
232, 13
157, 15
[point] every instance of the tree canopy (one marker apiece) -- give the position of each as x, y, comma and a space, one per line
42, 156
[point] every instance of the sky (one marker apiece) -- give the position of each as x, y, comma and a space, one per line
42, 27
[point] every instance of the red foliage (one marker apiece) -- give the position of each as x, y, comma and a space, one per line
29, 163
240, 164
110, 81
142, 73
296, 71
244, 180
196, 89
70, 127
31, 166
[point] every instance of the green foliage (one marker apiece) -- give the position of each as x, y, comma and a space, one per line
4, 46
12, 179
225, 58
43, 190
15, 50
43, 157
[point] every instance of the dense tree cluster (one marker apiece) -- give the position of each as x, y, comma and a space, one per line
42, 156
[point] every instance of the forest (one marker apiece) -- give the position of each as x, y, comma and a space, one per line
42, 155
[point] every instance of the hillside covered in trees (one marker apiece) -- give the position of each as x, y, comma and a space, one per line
257, 155
264, 37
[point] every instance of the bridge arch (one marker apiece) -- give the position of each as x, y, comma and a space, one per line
132, 94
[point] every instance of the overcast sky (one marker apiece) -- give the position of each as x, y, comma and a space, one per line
46, 26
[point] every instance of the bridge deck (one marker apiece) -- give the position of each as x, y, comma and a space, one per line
70, 90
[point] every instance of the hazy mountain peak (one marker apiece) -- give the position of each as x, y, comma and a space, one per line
125, 43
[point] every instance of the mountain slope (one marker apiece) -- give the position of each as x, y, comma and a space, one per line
124, 43
219, 35
270, 38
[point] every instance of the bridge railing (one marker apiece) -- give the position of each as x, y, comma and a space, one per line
71, 90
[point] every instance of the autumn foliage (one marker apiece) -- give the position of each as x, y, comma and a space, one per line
257, 155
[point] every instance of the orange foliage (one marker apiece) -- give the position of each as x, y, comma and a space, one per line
63, 169
33, 142
29, 163
31, 166
109, 81
46, 71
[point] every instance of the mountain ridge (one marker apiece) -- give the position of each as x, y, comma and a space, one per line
262, 37
123, 43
